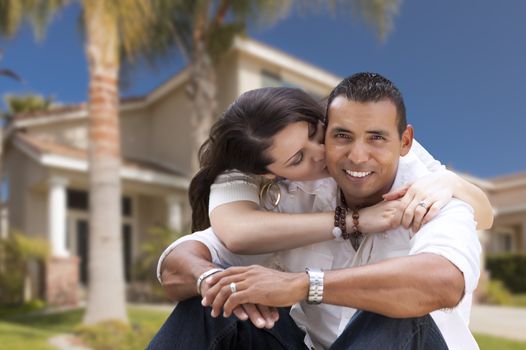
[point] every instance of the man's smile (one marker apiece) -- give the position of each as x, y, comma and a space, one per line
358, 174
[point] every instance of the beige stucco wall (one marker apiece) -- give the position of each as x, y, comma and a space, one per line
136, 133
250, 76
25, 202
509, 197
73, 132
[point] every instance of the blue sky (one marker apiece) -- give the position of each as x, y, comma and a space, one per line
461, 66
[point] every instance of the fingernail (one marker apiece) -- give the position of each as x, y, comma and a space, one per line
204, 302
260, 322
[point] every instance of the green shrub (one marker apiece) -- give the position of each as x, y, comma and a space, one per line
495, 293
145, 286
510, 269
16, 252
116, 335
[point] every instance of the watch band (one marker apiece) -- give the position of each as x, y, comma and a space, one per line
315, 285
204, 275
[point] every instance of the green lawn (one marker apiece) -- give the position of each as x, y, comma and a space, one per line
487, 342
33, 332
518, 300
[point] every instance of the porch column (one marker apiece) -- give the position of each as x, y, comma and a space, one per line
174, 206
522, 242
57, 216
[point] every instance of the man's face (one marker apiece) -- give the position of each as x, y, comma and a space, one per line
363, 147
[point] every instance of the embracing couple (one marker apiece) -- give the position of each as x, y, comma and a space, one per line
323, 226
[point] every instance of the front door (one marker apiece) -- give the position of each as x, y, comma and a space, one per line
81, 248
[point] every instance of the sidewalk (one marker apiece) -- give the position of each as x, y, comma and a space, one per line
500, 321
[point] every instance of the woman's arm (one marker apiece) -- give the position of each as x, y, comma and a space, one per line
436, 190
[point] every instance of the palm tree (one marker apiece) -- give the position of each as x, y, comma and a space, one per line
27, 103
203, 31
111, 27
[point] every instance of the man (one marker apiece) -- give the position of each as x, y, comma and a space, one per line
366, 135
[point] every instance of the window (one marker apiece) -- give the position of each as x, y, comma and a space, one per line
79, 200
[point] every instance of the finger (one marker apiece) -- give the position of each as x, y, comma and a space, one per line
275, 314
395, 194
419, 214
236, 299
219, 301
211, 293
240, 313
254, 315
409, 213
267, 315
432, 212
231, 271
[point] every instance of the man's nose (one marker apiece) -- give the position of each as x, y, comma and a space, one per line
358, 153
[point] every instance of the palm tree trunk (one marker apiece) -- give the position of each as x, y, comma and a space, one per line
106, 289
203, 93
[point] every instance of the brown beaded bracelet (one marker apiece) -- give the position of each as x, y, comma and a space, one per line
340, 214
356, 235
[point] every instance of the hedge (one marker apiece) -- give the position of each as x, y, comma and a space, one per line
510, 269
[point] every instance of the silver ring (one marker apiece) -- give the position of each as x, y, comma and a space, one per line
422, 204
233, 287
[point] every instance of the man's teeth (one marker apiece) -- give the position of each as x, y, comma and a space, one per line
357, 173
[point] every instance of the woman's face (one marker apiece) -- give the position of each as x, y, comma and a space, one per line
298, 152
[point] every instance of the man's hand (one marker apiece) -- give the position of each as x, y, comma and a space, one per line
257, 285
261, 316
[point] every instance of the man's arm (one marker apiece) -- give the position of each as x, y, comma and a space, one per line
181, 268
443, 265
402, 287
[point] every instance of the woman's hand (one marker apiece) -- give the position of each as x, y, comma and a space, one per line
380, 217
423, 199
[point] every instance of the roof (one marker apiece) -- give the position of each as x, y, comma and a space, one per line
53, 154
245, 45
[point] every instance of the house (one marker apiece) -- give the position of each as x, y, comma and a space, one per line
45, 161
45, 165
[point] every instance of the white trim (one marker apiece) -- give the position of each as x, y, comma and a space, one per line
126, 172
61, 117
510, 210
286, 61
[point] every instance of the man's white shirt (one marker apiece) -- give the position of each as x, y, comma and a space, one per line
452, 234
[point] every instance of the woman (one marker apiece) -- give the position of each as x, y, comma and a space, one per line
244, 138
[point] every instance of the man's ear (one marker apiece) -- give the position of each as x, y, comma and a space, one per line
407, 140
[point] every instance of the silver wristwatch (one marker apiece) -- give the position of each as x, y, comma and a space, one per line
315, 285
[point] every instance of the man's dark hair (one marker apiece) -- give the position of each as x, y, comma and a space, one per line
370, 87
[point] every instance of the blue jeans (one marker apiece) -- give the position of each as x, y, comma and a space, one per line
190, 326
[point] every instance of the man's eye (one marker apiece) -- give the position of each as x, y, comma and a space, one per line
377, 137
341, 135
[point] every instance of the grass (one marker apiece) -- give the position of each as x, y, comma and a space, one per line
32, 332
487, 342
518, 300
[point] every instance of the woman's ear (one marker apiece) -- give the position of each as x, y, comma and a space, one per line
269, 176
